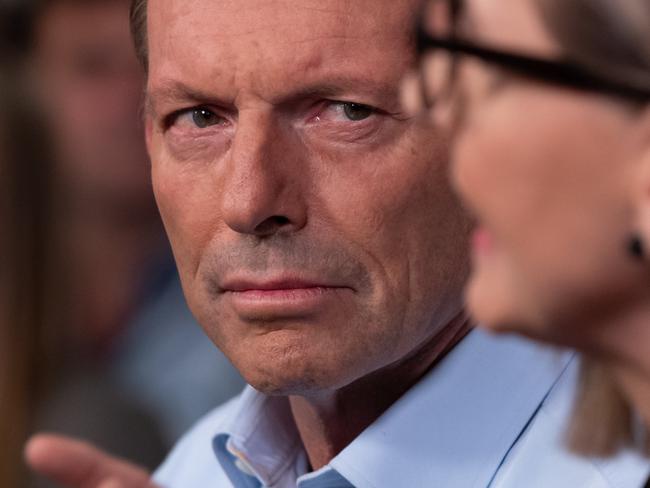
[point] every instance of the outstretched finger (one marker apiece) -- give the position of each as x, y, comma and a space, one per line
76, 464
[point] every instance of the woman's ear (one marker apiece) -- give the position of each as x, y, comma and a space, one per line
643, 207
643, 185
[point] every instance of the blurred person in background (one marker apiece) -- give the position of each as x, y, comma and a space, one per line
122, 340
548, 102
32, 342
24, 196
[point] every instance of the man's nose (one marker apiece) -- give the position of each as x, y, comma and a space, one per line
264, 179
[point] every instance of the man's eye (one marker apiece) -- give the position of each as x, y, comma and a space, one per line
202, 118
356, 111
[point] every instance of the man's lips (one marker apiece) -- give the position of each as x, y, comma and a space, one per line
276, 285
279, 298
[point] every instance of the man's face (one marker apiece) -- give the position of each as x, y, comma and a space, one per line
311, 220
91, 86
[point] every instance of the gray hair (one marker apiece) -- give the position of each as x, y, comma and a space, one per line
139, 30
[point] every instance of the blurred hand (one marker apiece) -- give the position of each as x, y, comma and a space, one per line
76, 464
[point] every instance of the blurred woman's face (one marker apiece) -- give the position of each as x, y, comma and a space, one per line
548, 174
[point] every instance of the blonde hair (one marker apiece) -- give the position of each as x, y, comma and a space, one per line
611, 38
603, 421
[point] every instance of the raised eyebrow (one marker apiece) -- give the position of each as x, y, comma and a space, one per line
342, 86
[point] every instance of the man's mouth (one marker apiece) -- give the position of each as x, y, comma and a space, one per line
271, 285
279, 297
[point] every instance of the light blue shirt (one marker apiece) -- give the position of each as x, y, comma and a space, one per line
491, 414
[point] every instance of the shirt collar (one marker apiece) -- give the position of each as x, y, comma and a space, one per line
260, 437
453, 428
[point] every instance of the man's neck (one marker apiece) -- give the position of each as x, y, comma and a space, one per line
328, 423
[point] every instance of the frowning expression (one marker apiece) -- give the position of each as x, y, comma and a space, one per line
314, 230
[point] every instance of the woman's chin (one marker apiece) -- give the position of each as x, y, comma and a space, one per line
495, 309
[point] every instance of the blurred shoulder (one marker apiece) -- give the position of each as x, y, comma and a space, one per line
541, 459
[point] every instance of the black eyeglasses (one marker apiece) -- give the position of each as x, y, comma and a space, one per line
560, 72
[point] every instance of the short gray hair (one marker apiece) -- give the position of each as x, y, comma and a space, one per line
139, 30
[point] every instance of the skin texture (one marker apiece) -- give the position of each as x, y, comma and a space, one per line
285, 184
558, 181
266, 178
282, 185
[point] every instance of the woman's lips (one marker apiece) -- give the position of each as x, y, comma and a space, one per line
481, 241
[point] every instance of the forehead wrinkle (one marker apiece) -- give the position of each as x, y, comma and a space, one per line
334, 39
268, 18
337, 86
328, 70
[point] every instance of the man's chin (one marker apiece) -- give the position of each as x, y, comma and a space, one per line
291, 361
297, 381
289, 384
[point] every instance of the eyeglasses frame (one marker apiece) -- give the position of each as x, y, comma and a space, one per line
561, 72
